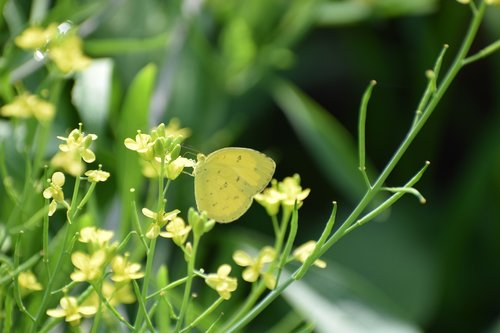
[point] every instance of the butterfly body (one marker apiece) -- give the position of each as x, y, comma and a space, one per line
227, 179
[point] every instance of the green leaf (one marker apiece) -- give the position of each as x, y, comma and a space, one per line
328, 141
133, 117
337, 300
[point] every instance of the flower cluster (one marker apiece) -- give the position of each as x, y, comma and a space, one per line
222, 282
74, 152
28, 105
91, 266
256, 267
59, 42
285, 193
163, 144
69, 158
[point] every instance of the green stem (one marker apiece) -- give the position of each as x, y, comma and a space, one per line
147, 274
189, 283
204, 314
370, 193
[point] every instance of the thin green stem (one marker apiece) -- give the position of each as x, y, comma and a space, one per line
205, 313
142, 304
145, 287
189, 283
370, 193
361, 131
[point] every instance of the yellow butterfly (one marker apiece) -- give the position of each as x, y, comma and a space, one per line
226, 180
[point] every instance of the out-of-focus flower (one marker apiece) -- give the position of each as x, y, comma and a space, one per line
70, 309
124, 271
36, 37
28, 282
69, 161
68, 55
88, 267
305, 250
255, 267
27, 105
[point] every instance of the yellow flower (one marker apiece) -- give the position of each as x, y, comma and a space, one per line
304, 251
97, 175
36, 37
285, 193
28, 105
88, 267
68, 54
79, 142
69, 161
493, 2
124, 271
177, 230
98, 237
143, 144
171, 170
256, 266
159, 220
69, 308
222, 282
55, 192
28, 282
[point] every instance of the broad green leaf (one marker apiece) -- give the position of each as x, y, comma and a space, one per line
133, 117
336, 300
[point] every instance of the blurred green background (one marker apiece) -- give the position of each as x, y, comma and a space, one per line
286, 77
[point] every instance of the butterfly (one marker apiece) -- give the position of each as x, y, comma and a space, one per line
226, 180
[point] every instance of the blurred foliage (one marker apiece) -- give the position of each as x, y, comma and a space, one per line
286, 77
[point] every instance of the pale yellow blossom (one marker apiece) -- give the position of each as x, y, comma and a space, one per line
70, 309
305, 250
256, 267
222, 282
88, 267
124, 271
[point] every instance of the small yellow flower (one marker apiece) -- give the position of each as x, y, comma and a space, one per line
177, 230
96, 176
28, 282
36, 37
285, 193
69, 308
304, 251
171, 170
124, 271
55, 192
69, 161
68, 54
93, 235
222, 282
493, 2
159, 220
256, 266
88, 267
464, 1
79, 142
143, 144
28, 105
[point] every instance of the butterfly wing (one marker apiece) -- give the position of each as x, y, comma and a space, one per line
227, 179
